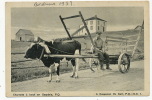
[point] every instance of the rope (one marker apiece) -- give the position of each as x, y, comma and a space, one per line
41, 54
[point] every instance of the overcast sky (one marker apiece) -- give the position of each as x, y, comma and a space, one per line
45, 22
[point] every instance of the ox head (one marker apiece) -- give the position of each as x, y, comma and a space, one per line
36, 51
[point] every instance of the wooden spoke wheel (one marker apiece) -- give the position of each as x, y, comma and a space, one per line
124, 63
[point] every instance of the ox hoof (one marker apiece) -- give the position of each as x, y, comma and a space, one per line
76, 77
48, 80
92, 70
57, 81
72, 76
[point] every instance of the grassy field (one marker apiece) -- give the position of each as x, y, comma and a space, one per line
38, 71
24, 73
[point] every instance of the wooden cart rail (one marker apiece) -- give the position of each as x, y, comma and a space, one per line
112, 37
71, 17
131, 36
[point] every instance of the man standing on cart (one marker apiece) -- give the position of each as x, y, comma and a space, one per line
100, 51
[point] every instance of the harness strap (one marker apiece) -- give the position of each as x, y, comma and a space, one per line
59, 50
46, 47
41, 54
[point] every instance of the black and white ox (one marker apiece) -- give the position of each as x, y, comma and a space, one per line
39, 50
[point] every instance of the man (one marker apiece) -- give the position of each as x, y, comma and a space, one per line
100, 51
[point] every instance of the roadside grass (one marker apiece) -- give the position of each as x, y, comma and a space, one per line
22, 74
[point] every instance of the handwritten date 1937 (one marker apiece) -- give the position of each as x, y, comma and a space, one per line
65, 3
47, 4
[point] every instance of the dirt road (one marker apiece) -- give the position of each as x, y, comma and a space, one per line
89, 81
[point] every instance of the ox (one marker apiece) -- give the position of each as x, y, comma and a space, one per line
70, 47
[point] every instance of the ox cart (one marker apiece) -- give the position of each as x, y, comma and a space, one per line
123, 55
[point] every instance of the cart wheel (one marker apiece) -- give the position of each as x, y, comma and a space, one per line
123, 63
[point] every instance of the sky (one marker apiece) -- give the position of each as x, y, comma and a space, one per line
45, 22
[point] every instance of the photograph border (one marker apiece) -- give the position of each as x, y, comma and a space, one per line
144, 4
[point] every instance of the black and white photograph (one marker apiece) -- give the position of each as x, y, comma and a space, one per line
76, 48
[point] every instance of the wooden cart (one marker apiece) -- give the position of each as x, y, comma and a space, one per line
122, 58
